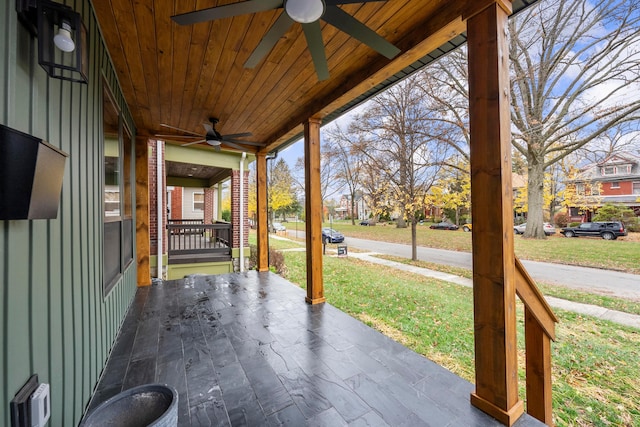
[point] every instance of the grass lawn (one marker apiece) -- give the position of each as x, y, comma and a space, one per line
622, 254
612, 303
596, 369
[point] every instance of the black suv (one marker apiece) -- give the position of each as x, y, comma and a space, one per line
609, 230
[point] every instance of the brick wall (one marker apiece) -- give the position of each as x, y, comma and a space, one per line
176, 203
209, 197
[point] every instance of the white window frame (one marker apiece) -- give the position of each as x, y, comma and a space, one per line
615, 185
193, 201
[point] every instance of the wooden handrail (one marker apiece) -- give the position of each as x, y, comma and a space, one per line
533, 299
539, 328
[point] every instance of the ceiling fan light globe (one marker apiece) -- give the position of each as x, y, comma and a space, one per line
304, 11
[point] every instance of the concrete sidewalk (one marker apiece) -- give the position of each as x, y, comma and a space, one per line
586, 309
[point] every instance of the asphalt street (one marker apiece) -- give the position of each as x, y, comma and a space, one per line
614, 283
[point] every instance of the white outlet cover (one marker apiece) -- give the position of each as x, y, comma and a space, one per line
40, 406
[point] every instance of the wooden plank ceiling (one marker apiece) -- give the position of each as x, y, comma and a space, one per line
181, 75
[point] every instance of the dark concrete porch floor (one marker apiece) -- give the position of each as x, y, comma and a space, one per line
246, 350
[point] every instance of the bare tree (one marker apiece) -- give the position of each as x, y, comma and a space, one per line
347, 162
392, 137
329, 186
574, 64
575, 73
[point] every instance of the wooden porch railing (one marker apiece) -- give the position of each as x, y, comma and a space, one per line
192, 242
540, 329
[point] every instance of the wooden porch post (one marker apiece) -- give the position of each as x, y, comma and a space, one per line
313, 211
219, 214
262, 212
142, 212
494, 286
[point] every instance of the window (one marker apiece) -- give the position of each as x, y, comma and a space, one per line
580, 188
609, 170
636, 187
198, 202
615, 185
117, 194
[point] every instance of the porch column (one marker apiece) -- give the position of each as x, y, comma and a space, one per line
261, 212
142, 212
313, 211
236, 220
492, 210
219, 207
208, 205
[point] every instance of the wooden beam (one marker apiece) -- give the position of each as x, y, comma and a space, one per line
313, 211
262, 213
494, 286
142, 212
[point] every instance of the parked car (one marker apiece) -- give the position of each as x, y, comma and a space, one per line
276, 226
329, 235
549, 229
366, 222
444, 225
608, 230
466, 227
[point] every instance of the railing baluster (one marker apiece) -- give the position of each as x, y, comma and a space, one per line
540, 322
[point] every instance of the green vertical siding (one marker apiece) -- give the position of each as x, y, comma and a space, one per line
54, 320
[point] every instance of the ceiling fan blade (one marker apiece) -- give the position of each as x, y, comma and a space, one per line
226, 11
243, 142
179, 129
277, 30
337, 2
232, 145
192, 143
313, 34
356, 29
176, 136
237, 135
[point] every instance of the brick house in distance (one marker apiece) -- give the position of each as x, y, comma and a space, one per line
615, 180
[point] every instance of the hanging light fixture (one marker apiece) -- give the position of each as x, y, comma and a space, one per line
305, 11
62, 38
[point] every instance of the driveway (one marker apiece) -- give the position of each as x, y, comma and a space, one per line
613, 283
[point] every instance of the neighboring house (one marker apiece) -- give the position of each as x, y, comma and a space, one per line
518, 183
360, 208
616, 180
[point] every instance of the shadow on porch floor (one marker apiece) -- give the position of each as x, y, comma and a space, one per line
246, 350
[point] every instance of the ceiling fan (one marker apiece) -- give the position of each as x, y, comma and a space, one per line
212, 136
306, 12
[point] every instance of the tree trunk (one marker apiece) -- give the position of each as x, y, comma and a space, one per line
535, 227
353, 209
414, 241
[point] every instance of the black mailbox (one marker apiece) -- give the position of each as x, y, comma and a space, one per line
31, 173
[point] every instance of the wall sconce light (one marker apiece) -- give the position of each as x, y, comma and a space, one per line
62, 38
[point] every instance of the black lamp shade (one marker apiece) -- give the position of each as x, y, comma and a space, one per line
31, 174
70, 66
